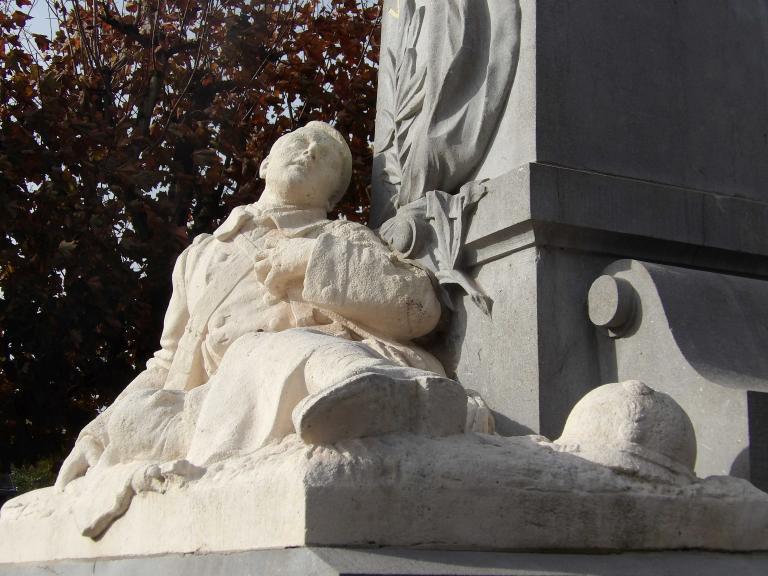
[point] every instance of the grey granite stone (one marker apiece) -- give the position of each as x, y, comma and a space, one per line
536, 243
666, 91
699, 337
545, 204
631, 130
446, 71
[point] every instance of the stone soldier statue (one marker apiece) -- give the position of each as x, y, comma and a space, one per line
282, 321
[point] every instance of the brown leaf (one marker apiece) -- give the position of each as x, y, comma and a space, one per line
20, 18
41, 41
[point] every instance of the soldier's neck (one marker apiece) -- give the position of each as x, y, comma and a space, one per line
272, 201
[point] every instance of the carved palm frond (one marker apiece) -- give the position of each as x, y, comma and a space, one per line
405, 80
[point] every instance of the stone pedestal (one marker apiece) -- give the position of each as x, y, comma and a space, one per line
383, 561
470, 492
652, 317
538, 241
632, 130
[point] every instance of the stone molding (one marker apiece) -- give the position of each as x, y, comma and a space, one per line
541, 204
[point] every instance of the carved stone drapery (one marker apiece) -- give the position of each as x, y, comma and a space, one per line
431, 231
444, 81
447, 69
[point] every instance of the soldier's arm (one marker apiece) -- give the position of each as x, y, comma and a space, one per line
176, 318
352, 273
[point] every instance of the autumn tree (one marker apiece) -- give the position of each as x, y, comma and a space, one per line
123, 134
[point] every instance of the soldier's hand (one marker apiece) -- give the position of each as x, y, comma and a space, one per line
284, 264
263, 266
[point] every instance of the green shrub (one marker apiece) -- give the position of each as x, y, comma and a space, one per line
33, 476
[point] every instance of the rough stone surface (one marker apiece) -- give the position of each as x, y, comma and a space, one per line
629, 427
469, 491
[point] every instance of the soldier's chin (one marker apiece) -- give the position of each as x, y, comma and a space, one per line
296, 189
293, 177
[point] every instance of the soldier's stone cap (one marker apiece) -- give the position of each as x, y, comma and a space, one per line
632, 428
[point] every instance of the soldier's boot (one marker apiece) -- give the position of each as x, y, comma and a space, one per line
383, 400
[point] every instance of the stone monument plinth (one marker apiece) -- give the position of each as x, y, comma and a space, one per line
630, 130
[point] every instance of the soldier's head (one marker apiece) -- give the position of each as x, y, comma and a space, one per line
307, 168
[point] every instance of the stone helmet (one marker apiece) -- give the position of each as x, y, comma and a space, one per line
632, 428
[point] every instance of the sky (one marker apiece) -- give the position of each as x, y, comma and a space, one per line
40, 23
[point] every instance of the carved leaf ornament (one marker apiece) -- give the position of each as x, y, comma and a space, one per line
445, 80
431, 231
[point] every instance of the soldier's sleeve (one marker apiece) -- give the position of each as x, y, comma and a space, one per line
353, 274
176, 318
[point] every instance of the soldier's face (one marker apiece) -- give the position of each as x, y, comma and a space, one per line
304, 168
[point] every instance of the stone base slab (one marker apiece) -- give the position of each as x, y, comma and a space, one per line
472, 492
391, 561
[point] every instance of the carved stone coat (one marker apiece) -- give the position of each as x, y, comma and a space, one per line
353, 288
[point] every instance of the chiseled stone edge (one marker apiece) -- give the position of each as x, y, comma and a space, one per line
543, 204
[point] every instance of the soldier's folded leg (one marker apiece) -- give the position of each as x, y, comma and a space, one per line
354, 393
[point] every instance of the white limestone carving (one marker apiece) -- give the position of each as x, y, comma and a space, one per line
470, 491
288, 406
631, 428
282, 321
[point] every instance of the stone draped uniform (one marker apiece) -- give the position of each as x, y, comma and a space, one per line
235, 359
354, 287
